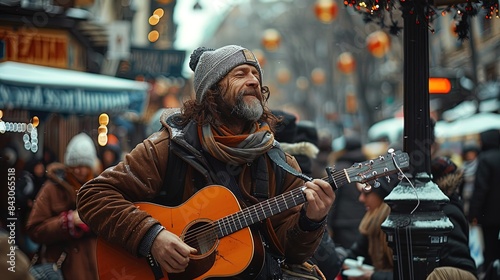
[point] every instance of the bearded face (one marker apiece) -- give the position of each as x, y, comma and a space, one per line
248, 107
240, 94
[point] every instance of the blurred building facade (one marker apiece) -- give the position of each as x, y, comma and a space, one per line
344, 73
323, 63
85, 58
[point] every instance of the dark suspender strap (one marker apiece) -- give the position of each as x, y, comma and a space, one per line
259, 172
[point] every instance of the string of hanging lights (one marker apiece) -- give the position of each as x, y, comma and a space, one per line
382, 12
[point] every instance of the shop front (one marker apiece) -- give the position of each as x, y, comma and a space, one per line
64, 103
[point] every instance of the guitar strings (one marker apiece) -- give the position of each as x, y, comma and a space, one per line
251, 212
224, 223
338, 176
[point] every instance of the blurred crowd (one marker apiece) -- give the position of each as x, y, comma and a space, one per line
46, 189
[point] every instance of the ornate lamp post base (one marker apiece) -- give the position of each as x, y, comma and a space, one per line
416, 228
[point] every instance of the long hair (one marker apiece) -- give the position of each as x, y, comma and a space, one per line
206, 111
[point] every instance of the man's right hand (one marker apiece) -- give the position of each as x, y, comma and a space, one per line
171, 252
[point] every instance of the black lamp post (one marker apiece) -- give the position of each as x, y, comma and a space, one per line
416, 228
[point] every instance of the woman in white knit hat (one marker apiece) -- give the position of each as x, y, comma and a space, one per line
54, 222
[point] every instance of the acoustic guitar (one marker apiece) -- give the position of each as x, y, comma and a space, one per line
213, 222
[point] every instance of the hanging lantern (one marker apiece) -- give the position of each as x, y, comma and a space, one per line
326, 10
159, 12
283, 75
302, 83
154, 19
351, 103
102, 129
102, 139
378, 43
153, 36
271, 39
35, 121
318, 76
103, 119
346, 63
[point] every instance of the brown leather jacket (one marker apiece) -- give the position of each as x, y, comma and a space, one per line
45, 226
140, 176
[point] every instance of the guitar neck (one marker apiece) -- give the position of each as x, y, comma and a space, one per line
267, 208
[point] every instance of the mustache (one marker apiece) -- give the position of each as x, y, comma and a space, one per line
252, 91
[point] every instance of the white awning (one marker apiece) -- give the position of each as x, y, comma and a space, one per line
39, 88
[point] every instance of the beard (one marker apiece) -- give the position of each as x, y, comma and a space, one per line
251, 110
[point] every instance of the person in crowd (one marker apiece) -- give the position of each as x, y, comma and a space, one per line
470, 154
345, 216
54, 222
484, 205
297, 138
226, 135
455, 260
371, 244
321, 161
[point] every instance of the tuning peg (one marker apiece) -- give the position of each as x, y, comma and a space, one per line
367, 187
388, 179
376, 184
400, 176
390, 151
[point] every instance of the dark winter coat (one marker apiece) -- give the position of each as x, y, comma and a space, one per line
456, 252
484, 205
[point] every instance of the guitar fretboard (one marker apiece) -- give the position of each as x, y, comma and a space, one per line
267, 208
259, 212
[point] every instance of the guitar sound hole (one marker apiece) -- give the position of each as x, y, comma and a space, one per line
202, 236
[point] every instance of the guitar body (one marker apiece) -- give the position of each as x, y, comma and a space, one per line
241, 252
213, 222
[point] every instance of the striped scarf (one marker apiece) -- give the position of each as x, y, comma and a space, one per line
227, 147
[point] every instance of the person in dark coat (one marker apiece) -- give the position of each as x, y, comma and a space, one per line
345, 216
484, 205
455, 256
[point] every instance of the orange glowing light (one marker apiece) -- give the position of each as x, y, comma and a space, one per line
439, 85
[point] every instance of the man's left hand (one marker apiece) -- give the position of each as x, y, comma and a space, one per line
320, 197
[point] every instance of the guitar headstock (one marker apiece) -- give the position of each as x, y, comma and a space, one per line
392, 162
375, 168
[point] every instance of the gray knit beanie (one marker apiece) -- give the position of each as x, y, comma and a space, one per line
80, 151
210, 65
